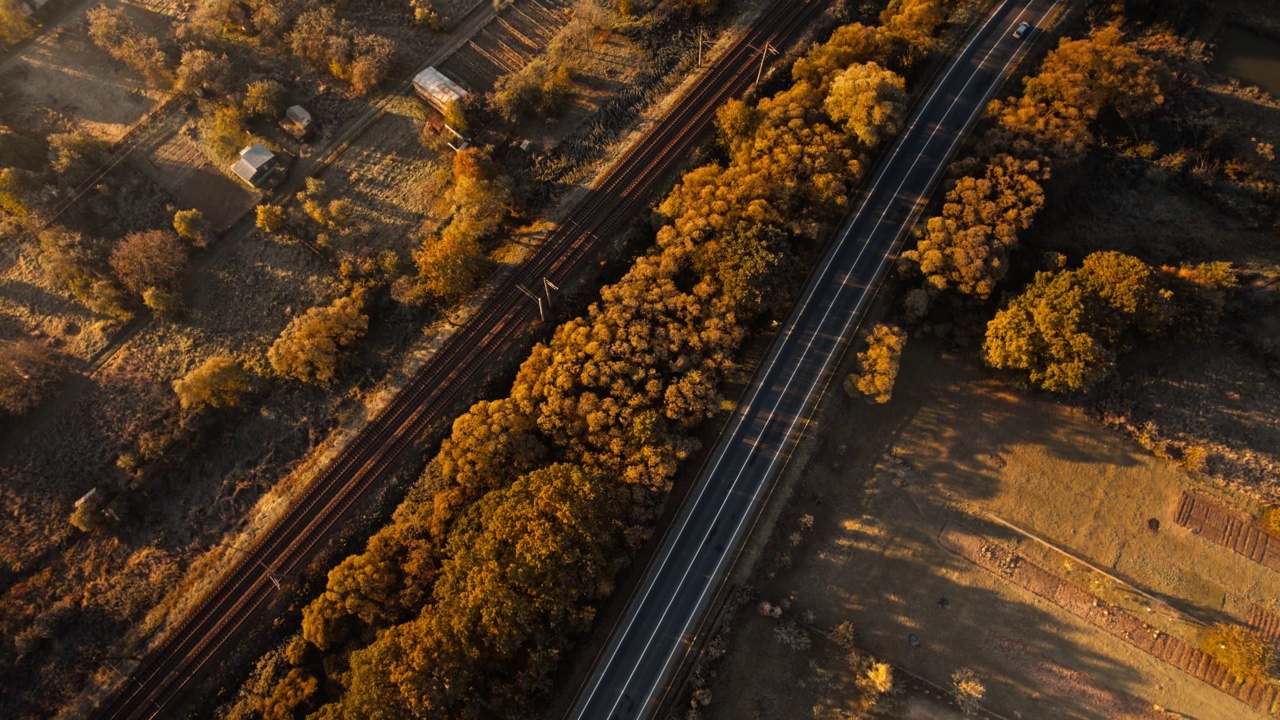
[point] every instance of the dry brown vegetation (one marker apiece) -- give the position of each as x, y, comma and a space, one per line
133, 420
1177, 173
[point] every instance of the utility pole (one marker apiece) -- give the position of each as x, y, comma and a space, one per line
768, 49
547, 287
541, 314
701, 33
271, 574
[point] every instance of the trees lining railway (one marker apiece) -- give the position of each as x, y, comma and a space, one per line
437, 390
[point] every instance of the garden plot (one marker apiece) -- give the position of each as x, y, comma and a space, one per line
62, 81
955, 448
506, 44
178, 165
384, 174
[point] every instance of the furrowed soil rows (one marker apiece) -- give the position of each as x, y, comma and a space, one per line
1266, 623
509, 42
1218, 525
997, 559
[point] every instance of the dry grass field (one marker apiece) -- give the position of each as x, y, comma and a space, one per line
957, 447
63, 81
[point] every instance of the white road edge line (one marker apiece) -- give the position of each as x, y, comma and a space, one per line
826, 362
742, 413
813, 290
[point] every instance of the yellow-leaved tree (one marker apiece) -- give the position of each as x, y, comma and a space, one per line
311, 346
878, 365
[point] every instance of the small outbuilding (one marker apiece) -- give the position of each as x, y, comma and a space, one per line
437, 89
298, 121
255, 165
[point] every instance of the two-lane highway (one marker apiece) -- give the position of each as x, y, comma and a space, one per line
629, 676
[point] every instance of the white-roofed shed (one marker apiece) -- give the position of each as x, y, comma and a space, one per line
437, 89
255, 164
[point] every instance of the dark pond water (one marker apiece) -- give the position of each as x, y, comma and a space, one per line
1249, 57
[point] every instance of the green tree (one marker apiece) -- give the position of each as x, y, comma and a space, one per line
914, 23
448, 265
220, 381
13, 192
192, 227
878, 365
1055, 331
967, 247
869, 100
310, 347
849, 44
455, 116
1076, 82
1065, 329
263, 99
291, 695
524, 568
271, 219
14, 25
539, 89
225, 132
111, 30
202, 69
75, 155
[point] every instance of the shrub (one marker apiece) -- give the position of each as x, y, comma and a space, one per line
1244, 652
87, 515
878, 678
271, 219
166, 305
191, 226
968, 689
1195, 458
263, 98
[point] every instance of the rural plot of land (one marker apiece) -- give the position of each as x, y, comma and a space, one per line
177, 164
955, 449
62, 80
385, 174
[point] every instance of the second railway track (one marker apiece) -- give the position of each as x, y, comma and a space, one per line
432, 395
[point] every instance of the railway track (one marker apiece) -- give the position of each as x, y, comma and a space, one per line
433, 394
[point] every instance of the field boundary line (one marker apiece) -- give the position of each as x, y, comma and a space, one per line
995, 557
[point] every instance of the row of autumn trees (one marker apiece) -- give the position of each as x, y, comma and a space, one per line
496, 562
1066, 328
196, 56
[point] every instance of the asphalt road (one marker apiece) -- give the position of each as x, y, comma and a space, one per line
631, 673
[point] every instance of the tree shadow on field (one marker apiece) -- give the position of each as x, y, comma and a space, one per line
873, 556
887, 574
962, 421
37, 301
